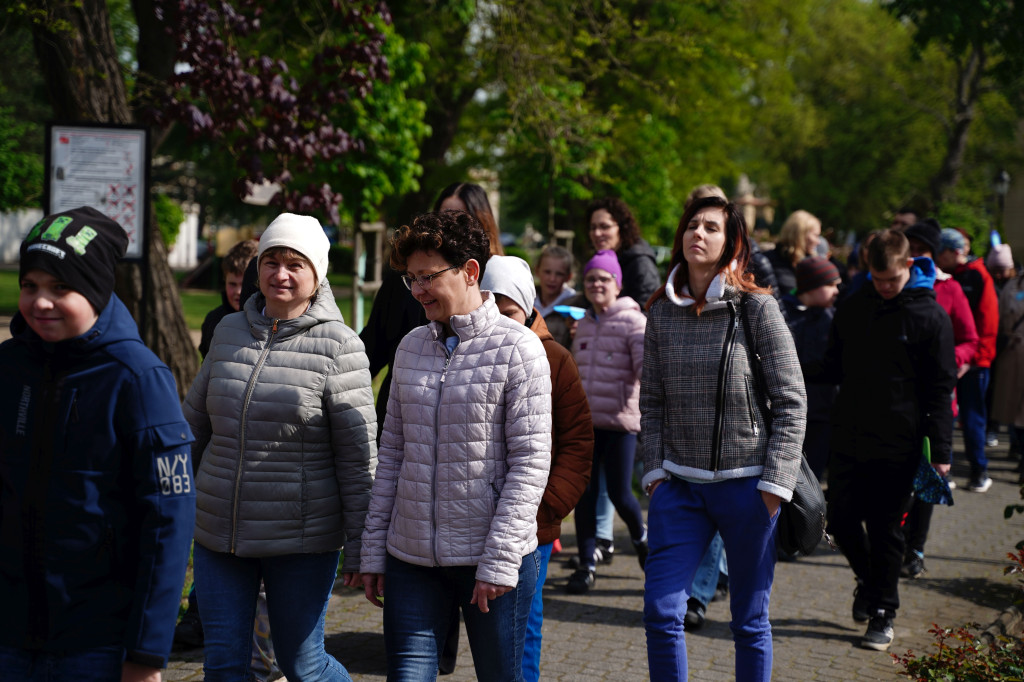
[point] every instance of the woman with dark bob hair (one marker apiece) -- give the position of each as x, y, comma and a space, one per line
611, 226
721, 435
463, 462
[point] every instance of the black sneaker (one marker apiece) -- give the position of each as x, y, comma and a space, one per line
722, 591
641, 552
880, 631
695, 613
860, 607
189, 632
913, 565
604, 552
580, 582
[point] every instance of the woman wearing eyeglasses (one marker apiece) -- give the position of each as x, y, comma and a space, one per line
462, 465
609, 350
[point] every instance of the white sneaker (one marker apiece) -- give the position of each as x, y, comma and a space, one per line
880, 632
992, 440
980, 485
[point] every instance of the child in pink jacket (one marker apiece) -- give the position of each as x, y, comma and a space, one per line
609, 350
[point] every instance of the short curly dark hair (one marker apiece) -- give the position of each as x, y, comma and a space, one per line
629, 231
456, 235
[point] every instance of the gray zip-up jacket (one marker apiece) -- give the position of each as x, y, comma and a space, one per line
465, 451
282, 412
701, 416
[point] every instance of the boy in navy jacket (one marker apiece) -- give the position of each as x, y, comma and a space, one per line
97, 501
891, 352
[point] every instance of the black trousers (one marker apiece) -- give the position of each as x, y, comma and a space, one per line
866, 503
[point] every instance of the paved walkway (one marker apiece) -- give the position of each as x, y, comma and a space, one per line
600, 636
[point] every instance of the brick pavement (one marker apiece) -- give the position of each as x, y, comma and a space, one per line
600, 636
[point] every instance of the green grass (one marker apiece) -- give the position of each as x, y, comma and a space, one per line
8, 292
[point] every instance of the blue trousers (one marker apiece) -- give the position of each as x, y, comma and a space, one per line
531, 649
101, 664
298, 587
970, 396
418, 608
681, 521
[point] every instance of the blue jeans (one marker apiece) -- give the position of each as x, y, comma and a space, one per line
970, 396
298, 587
705, 582
418, 607
682, 519
605, 509
101, 664
531, 648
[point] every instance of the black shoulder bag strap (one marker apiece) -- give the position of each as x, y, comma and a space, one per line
755, 363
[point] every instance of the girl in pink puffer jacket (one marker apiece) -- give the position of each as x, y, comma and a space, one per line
609, 349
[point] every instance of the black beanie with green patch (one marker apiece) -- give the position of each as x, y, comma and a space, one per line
80, 247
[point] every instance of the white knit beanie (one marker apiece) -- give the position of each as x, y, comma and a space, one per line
511, 276
300, 233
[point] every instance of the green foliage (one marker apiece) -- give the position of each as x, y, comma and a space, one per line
169, 217
390, 124
21, 173
961, 656
341, 259
972, 219
518, 252
995, 27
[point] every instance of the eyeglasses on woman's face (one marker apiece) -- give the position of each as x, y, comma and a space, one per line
425, 281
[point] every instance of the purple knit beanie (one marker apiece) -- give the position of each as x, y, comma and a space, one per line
605, 260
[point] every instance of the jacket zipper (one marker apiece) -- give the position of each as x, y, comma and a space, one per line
750, 404
723, 375
437, 438
241, 436
34, 516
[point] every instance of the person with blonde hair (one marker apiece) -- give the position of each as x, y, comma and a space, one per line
798, 239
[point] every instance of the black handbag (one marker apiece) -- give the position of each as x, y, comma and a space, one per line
801, 523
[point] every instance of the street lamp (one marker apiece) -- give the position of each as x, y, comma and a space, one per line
1001, 186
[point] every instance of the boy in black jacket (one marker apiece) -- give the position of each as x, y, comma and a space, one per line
891, 351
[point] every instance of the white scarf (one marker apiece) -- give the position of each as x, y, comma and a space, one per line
682, 299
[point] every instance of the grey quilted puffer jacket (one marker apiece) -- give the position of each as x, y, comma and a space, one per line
465, 451
282, 412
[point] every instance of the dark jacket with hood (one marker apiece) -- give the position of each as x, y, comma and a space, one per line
97, 500
211, 321
894, 363
640, 276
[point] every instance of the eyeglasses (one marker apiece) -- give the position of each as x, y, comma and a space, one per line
426, 280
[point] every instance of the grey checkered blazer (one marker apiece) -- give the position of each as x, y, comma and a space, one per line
701, 416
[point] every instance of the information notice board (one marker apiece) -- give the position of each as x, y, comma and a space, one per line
102, 166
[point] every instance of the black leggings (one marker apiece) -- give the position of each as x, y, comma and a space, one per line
614, 451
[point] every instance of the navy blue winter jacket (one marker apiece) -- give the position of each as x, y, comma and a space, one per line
97, 503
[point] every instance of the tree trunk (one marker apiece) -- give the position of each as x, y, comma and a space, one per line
86, 84
967, 92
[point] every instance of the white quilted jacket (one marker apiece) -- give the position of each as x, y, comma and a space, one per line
465, 450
